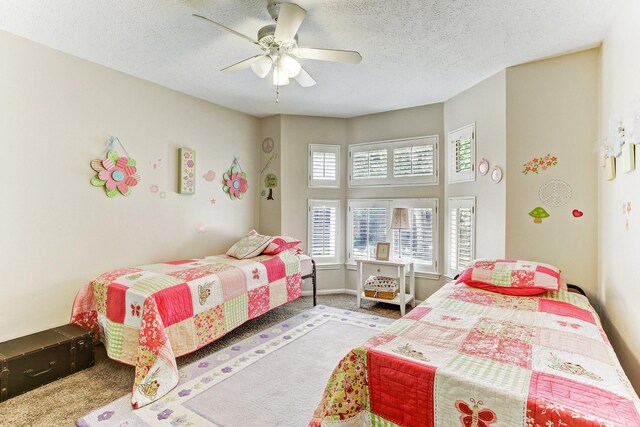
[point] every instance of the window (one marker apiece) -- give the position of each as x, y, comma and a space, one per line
369, 221
324, 217
401, 162
460, 231
461, 155
324, 166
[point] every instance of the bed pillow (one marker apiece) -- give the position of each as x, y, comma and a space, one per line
511, 277
249, 246
279, 244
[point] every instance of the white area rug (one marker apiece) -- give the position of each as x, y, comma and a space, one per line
275, 378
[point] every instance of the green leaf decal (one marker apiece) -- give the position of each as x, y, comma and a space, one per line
97, 182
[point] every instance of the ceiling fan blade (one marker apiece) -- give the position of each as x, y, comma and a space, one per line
226, 28
289, 20
304, 79
348, 56
241, 65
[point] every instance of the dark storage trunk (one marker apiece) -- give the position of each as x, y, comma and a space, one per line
31, 361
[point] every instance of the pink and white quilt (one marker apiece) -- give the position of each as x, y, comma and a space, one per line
470, 357
147, 316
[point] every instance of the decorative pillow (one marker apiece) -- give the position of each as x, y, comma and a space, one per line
279, 244
249, 246
511, 277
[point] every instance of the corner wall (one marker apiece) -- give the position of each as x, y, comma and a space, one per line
57, 231
484, 104
406, 123
270, 155
297, 133
619, 269
552, 108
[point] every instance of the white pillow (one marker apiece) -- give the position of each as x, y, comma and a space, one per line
249, 246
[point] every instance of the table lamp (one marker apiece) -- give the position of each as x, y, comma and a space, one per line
400, 221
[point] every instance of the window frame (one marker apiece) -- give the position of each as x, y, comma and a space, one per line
390, 180
459, 203
323, 183
453, 136
389, 204
326, 261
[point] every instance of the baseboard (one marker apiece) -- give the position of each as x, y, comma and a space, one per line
330, 292
340, 291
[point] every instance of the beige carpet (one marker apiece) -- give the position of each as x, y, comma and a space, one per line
62, 402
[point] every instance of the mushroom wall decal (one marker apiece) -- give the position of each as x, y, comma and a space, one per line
538, 214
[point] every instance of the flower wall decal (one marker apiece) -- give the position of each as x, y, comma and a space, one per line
116, 174
539, 163
235, 181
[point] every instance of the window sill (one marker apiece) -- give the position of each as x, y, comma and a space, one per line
336, 266
419, 274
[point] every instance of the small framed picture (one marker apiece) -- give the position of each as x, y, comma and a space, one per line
382, 251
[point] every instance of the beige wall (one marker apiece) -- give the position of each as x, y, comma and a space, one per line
484, 104
58, 232
410, 122
619, 269
297, 133
552, 107
270, 162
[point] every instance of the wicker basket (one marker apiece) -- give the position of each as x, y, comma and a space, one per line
380, 294
381, 287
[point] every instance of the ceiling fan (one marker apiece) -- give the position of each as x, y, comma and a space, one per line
280, 45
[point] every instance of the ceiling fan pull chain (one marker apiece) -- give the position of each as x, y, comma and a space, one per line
277, 94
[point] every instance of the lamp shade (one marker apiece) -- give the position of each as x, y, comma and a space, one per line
279, 76
262, 66
400, 218
290, 66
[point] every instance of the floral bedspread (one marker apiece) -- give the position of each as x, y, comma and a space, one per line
147, 316
470, 357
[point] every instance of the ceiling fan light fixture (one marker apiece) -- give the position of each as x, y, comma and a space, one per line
279, 76
290, 66
262, 66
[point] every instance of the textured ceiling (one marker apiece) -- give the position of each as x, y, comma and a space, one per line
414, 52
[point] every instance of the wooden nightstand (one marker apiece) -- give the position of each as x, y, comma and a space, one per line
397, 268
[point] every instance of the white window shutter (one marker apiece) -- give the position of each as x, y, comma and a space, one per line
324, 217
324, 166
368, 164
369, 222
411, 161
461, 154
461, 234
420, 241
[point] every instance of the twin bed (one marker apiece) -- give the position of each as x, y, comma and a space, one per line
147, 316
472, 357
464, 357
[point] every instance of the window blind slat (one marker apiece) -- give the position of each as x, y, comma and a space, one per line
323, 231
413, 161
417, 241
460, 235
369, 226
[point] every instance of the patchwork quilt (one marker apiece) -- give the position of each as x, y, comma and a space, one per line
147, 316
470, 357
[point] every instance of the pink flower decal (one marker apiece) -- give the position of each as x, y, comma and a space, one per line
235, 182
256, 273
115, 173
